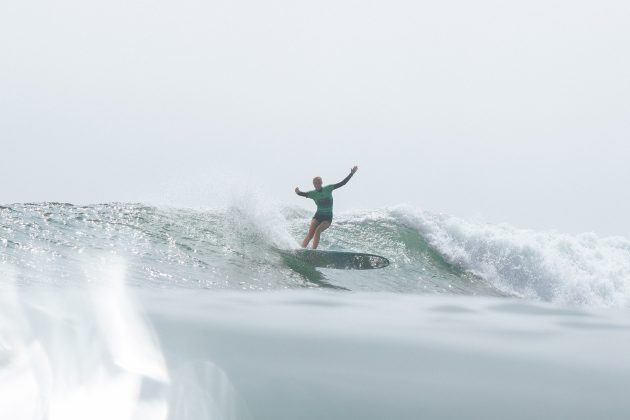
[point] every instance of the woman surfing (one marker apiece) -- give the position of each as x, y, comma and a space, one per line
324, 200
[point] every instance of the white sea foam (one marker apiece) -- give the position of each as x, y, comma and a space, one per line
568, 269
262, 218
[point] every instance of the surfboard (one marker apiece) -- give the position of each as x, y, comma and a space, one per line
340, 259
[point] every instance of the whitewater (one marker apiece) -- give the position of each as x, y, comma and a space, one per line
133, 311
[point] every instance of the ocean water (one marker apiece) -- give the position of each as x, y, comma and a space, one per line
130, 311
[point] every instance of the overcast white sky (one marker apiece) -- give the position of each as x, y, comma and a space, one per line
504, 111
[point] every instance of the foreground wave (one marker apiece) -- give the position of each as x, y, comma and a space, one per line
108, 352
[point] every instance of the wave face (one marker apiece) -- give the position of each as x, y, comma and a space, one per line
237, 248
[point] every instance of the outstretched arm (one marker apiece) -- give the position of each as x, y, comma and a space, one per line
346, 179
300, 193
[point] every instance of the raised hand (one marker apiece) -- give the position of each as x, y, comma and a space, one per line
354, 169
297, 190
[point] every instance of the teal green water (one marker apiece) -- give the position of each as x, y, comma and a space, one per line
236, 248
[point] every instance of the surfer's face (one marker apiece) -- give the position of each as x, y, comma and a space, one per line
317, 182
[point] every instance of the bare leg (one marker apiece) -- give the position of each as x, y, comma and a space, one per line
318, 230
311, 232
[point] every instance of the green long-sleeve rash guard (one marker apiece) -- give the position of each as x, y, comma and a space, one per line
323, 198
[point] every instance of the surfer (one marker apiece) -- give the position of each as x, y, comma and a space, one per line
324, 200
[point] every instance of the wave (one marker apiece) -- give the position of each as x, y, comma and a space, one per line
236, 248
550, 266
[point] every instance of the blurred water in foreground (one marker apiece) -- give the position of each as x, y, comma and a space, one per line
185, 354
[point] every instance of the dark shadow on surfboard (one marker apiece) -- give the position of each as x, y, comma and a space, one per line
341, 260
306, 270
305, 262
